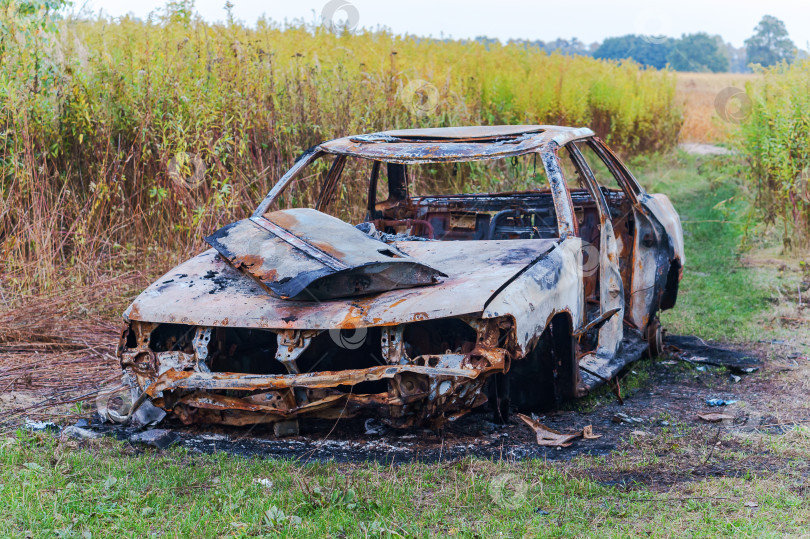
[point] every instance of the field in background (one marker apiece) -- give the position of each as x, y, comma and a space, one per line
122, 142
697, 94
766, 117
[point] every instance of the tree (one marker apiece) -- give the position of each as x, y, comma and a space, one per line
644, 51
561, 46
699, 52
770, 43
568, 48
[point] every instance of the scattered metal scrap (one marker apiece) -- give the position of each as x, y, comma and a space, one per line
552, 438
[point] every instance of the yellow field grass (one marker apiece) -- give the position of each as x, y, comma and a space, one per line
698, 92
102, 122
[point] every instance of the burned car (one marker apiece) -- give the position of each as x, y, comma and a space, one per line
537, 287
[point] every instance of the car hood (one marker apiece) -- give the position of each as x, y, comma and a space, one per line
207, 291
303, 254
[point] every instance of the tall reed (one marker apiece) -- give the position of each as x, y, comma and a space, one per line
776, 143
123, 142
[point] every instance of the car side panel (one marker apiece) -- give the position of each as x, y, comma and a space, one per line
653, 256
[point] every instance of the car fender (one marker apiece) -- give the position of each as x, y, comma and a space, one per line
550, 285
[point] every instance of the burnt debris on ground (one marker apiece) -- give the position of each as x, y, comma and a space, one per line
669, 393
696, 350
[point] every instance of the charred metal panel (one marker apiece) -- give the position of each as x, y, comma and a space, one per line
420, 152
597, 369
428, 388
208, 291
473, 132
307, 255
653, 254
173, 379
661, 207
566, 222
452, 144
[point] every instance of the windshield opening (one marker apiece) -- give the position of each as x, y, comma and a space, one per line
498, 199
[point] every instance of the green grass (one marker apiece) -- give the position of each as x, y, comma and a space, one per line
108, 489
719, 298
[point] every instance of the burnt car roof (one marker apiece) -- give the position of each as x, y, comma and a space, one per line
453, 143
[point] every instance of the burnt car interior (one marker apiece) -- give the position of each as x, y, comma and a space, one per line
458, 217
393, 207
523, 214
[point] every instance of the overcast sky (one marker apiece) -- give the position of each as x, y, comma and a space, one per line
589, 20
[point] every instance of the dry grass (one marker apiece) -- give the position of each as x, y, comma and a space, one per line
56, 349
697, 92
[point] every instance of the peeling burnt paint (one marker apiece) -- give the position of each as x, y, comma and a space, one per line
297, 314
307, 255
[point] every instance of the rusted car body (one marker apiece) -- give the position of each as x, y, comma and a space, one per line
431, 307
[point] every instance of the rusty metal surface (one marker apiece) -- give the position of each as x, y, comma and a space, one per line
452, 144
425, 388
442, 316
307, 255
552, 286
653, 253
207, 291
564, 206
661, 207
469, 132
174, 379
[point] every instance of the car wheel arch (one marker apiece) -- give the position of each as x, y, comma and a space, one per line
544, 377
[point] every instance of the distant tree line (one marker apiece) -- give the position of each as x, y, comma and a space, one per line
769, 45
